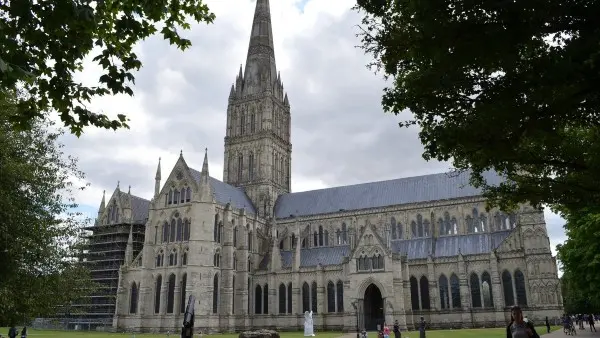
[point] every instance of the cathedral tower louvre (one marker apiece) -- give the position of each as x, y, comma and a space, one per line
257, 142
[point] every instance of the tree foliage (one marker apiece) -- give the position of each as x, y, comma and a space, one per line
507, 86
38, 232
43, 43
580, 257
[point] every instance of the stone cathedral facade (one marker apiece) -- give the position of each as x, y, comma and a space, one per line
255, 254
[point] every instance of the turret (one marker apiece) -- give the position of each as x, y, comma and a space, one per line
157, 179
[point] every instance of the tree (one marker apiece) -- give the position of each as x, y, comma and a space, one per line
44, 43
580, 257
512, 87
38, 230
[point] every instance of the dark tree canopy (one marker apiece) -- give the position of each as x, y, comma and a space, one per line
507, 86
38, 231
43, 43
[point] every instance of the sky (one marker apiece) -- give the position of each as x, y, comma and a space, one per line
340, 134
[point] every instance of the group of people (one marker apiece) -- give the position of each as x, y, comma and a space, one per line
569, 322
13, 332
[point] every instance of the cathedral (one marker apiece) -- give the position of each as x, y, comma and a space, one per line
256, 255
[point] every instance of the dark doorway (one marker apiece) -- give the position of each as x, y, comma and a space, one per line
373, 308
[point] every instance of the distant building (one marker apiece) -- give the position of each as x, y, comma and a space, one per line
257, 255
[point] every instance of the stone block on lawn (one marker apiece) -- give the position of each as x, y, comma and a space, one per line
259, 334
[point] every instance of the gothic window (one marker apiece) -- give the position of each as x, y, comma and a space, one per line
293, 240
313, 296
173, 258
233, 296
377, 262
133, 298
344, 234
156, 231
216, 228
455, 290
520, 288
512, 218
414, 293
171, 294
475, 290
183, 288
315, 239
330, 297
165, 232
281, 244
420, 226
242, 124
444, 296
215, 301
393, 226
289, 297
179, 230
220, 232
250, 241
413, 229
305, 297
326, 235
483, 226
507, 286
184, 257
188, 194
304, 243
234, 263
320, 235
426, 228
170, 197
258, 300
157, 290
282, 295
175, 196
252, 123
339, 291
266, 299
173, 231
282, 166
182, 196
186, 230
217, 259
235, 232
240, 167
338, 237
486, 290
251, 167
469, 223
160, 258
425, 302
454, 226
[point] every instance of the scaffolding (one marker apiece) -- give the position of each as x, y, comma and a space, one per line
103, 255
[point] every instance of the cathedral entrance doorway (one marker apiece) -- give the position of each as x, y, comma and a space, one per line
373, 308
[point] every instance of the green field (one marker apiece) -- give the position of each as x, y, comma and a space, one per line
479, 333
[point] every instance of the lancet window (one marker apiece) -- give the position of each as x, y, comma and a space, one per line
420, 227
177, 230
447, 225
178, 195
160, 258
476, 222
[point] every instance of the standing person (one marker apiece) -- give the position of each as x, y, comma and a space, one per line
422, 328
591, 322
518, 328
12, 332
24, 332
547, 325
396, 329
386, 331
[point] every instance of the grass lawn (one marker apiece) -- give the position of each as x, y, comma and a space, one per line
479, 333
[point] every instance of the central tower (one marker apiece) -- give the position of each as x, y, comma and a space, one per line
257, 141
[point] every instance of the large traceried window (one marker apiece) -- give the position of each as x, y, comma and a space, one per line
444, 295
455, 290
520, 288
305, 297
171, 294
424, 286
486, 290
507, 286
475, 290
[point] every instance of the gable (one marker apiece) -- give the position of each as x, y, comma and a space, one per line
224, 193
369, 242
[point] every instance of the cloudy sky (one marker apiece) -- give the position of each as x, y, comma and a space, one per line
340, 134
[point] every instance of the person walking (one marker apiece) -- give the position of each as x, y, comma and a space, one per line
422, 325
24, 332
591, 322
386, 331
12, 332
547, 325
518, 328
396, 329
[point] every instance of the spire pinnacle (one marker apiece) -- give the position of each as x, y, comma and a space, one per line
260, 62
158, 175
205, 163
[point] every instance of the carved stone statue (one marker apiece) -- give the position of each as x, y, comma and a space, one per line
308, 324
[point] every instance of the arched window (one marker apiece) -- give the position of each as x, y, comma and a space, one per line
173, 258
171, 294
282, 295
425, 302
188, 194
455, 289
315, 239
217, 259
175, 196
486, 290
216, 228
475, 290
182, 293
520, 288
293, 240
165, 232
186, 230
444, 295
326, 237
215, 305
240, 167
258, 300
414, 293
220, 232
393, 226
266, 299
289, 297
344, 234
303, 243
179, 230
340, 296
305, 297
313, 296
250, 248
252, 123
170, 197
330, 297
184, 257
320, 235
172, 230
235, 233
507, 286
281, 244
413, 229
251, 166
133, 298
233, 296
157, 290
249, 290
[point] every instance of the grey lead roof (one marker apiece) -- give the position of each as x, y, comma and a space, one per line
225, 193
416, 248
139, 209
417, 189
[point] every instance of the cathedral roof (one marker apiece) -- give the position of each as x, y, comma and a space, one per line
225, 193
139, 209
408, 190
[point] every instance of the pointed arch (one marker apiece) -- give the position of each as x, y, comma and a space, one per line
393, 228
455, 290
414, 293
313, 297
344, 233
157, 291
413, 229
216, 228
330, 297
520, 288
339, 289
165, 232
171, 294
186, 230
282, 295
507, 288
305, 297
258, 300
321, 235
326, 236
188, 196
475, 290
182, 293
486, 290
235, 235
250, 246
215, 300
133, 298
425, 300
266, 299
444, 296
289, 297
173, 231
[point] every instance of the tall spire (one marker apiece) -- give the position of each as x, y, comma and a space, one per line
157, 180
205, 163
261, 72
